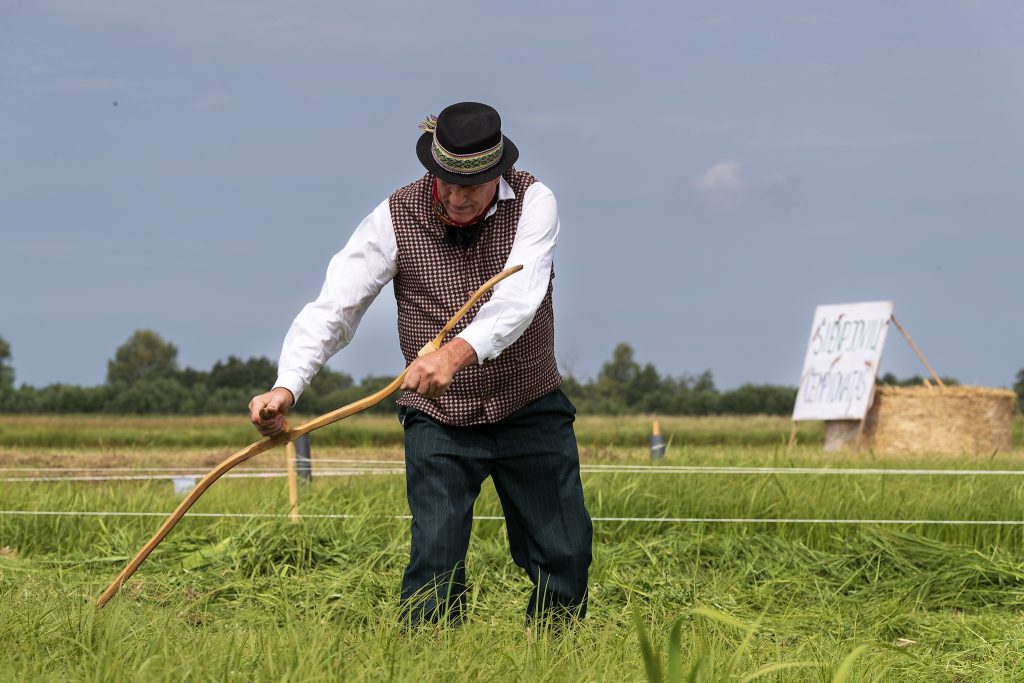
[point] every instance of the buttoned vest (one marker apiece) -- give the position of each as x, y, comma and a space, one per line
434, 279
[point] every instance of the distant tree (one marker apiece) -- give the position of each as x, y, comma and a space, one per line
698, 403
704, 382
340, 393
610, 393
1019, 388
328, 380
688, 395
163, 395
191, 378
6, 369
234, 373
572, 387
145, 356
889, 379
372, 384
24, 399
758, 399
625, 386
70, 398
622, 369
223, 401
227, 387
326, 391
143, 377
644, 389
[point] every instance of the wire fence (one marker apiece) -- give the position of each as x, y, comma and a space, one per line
396, 467
355, 467
498, 518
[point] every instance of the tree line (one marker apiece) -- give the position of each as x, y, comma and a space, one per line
144, 377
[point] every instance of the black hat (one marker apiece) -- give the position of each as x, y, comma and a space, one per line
464, 144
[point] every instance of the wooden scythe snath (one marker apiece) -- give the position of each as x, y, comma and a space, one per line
287, 437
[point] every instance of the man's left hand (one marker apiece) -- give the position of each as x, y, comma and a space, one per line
430, 375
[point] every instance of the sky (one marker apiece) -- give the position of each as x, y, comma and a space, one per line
720, 169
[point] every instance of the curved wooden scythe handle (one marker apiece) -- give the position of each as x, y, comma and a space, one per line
283, 438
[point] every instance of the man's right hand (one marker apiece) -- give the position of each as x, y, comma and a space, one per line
267, 411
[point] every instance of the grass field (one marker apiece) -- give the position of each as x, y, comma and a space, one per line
362, 431
259, 598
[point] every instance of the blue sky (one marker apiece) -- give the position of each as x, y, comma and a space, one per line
721, 169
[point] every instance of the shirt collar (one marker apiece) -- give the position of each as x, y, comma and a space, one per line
504, 192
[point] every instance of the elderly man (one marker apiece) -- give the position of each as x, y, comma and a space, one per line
488, 402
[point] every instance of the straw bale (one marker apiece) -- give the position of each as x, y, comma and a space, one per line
841, 434
950, 419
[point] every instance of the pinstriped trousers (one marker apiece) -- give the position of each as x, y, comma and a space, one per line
532, 457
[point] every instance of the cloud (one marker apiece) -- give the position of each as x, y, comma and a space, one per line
726, 188
721, 188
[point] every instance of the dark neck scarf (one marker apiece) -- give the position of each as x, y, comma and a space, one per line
458, 234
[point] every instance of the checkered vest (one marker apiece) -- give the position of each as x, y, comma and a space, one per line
435, 279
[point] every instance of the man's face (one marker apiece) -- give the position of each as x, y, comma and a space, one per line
465, 202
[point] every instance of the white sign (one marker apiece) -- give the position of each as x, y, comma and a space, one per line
838, 380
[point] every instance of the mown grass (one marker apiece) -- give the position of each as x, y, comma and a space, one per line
363, 431
258, 598
376, 431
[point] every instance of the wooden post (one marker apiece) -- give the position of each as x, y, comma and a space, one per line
293, 481
859, 441
792, 436
920, 356
303, 452
657, 441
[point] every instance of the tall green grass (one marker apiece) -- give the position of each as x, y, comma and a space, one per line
263, 599
364, 431
597, 434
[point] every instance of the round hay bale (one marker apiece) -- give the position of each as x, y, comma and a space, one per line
950, 419
841, 434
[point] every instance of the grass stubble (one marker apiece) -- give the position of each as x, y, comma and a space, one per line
263, 599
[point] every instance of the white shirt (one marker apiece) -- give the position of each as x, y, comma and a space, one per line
369, 261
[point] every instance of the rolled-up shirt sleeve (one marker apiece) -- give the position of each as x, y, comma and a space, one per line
354, 278
515, 300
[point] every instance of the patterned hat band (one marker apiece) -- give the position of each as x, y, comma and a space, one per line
467, 164
463, 164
